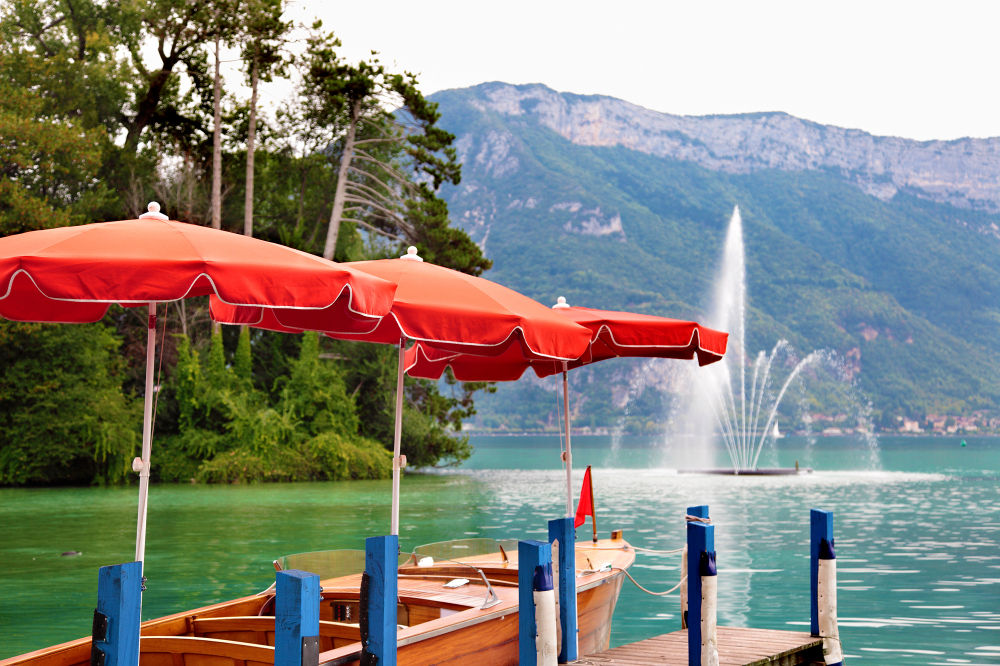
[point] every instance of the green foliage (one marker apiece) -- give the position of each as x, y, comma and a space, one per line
228, 431
47, 165
430, 419
63, 416
242, 363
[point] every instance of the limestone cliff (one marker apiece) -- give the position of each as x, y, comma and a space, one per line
964, 172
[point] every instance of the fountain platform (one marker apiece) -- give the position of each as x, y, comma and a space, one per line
760, 471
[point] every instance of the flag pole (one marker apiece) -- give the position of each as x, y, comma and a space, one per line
593, 503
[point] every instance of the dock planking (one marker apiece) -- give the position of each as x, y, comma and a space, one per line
737, 647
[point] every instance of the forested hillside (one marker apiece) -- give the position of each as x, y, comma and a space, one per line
904, 286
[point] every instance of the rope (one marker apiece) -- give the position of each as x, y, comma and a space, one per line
696, 519
655, 594
636, 548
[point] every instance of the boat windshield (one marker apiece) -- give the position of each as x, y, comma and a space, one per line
329, 563
451, 550
337, 563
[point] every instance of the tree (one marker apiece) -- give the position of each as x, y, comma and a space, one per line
47, 166
394, 148
264, 33
63, 415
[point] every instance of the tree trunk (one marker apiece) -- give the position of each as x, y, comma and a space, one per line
251, 136
341, 193
217, 148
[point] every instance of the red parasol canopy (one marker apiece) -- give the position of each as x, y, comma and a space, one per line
613, 334
441, 308
73, 274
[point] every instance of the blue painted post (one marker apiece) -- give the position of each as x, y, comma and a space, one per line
530, 554
564, 531
381, 564
296, 618
820, 527
116, 619
700, 539
700, 511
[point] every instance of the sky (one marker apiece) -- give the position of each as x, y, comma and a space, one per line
914, 69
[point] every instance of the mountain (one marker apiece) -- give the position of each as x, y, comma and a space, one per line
883, 249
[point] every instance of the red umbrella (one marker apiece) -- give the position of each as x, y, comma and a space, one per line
612, 334
73, 274
444, 310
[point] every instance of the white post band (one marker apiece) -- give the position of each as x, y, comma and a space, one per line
833, 654
709, 620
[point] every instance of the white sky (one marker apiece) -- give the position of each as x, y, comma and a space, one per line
916, 69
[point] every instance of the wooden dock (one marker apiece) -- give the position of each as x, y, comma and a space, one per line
737, 647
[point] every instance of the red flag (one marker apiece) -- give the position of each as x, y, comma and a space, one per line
586, 506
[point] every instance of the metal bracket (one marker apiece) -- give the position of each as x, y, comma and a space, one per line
310, 650
99, 632
97, 656
491, 596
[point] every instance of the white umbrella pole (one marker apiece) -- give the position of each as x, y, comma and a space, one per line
396, 459
569, 454
142, 466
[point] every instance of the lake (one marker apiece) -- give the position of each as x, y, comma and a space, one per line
917, 528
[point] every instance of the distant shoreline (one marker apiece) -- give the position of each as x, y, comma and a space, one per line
816, 434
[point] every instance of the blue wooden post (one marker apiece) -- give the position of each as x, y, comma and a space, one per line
381, 565
296, 618
820, 527
700, 539
116, 619
530, 554
700, 511
564, 531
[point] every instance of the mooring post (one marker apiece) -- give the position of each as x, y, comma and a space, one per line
564, 531
530, 554
821, 527
116, 618
381, 588
695, 512
700, 539
296, 618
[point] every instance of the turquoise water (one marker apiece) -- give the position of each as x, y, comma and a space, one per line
917, 537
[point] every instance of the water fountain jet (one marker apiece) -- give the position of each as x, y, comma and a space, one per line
723, 387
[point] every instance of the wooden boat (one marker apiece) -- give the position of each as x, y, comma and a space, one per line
474, 623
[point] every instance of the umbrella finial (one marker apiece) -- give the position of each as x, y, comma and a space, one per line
560, 303
154, 212
411, 254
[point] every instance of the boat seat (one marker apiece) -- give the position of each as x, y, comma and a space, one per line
194, 651
260, 631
